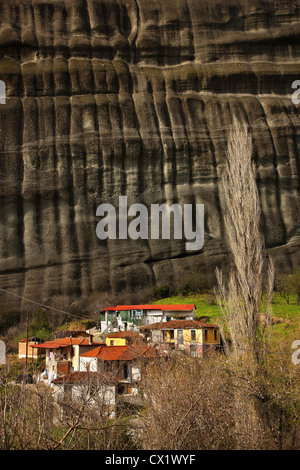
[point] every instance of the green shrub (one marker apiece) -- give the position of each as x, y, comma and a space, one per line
160, 292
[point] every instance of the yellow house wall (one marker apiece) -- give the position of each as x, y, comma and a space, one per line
116, 341
210, 336
187, 337
199, 336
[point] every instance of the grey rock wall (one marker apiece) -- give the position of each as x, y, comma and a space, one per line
136, 97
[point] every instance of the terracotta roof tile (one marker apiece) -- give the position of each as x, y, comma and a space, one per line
30, 340
177, 324
134, 352
106, 353
122, 353
166, 307
124, 334
93, 352
83, 377
63, 342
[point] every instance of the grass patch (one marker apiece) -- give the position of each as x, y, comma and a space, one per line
286, 316
203, 307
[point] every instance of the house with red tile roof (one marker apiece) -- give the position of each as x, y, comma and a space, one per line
63, 354
192, 336
95, 390
131, 316
122, 362
124, 338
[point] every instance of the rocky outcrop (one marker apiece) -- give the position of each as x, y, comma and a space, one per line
136, 97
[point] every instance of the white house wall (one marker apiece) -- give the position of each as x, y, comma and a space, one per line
155, 316
106, 393
136, 373
92, 361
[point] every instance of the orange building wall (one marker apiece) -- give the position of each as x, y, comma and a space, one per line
32, 351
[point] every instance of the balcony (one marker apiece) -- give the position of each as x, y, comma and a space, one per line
59, 366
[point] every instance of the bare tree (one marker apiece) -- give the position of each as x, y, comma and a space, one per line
187, 405
241, 299
25, 415
87, 413
259, 401
30, 416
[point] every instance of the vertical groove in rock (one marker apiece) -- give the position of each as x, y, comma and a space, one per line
131, 97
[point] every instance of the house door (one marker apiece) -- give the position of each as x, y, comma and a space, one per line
126, 371
180, 336
193, 350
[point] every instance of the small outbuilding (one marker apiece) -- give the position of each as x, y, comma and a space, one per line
33, 352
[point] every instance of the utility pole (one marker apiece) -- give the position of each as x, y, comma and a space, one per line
26, 356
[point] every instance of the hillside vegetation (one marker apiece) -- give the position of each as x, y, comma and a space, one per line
286, 317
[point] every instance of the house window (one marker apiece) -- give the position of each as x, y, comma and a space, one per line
126, 371
121, 389
180, 336
205, 335
215, 335
93, 388
168, 335
111, 342
108, 366
137, 313
193, 350
68, 391
193, 335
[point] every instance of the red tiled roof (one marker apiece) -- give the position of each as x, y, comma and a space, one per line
83, 377
30, 340
177, 324
64, 342
122, 353
93, 352
124, 334
170, 307
134, 352
106, 353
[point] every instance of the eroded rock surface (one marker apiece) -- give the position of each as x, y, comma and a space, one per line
136, 97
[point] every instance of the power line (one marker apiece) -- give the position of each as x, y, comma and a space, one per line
42, 305
156, 342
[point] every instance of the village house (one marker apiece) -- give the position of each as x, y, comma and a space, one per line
124, 338
123, 317
110, 372
33, 353
192, 336
97, 391
63, 354
122, 362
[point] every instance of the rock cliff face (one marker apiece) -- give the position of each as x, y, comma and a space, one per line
136, 97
